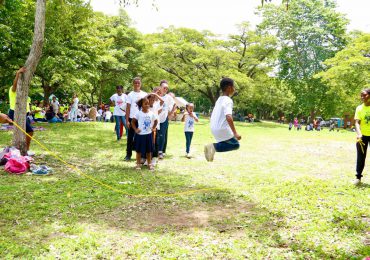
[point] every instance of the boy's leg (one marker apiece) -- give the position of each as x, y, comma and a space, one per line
226, 146
117, 127
166, 137
162, 136
155, 151
130, 142
29, 130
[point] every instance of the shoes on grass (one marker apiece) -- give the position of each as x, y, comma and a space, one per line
30, 153
357, 182
127, 159
209, 152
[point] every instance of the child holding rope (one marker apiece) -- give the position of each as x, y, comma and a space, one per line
362, 126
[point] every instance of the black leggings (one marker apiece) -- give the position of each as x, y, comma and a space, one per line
361, 155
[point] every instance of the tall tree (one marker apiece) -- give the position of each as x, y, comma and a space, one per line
309, 32
347, 74
25, 80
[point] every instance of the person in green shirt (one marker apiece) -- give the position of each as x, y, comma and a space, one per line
362, 126
12, 100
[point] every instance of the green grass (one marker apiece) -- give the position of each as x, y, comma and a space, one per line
283, 195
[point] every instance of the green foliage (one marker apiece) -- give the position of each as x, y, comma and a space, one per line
16, 32
309, 33
279, 206
348, 73
196, 61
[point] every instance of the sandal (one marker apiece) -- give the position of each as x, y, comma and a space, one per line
151, 167
138, 167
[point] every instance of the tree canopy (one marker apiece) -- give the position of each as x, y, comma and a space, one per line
297, 61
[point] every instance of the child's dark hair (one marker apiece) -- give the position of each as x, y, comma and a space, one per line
187, 105
119, 87
162, 82
141, 101
225, 83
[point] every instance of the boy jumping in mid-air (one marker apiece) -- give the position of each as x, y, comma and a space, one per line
222, 124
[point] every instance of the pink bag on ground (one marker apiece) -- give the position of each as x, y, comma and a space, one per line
17, 165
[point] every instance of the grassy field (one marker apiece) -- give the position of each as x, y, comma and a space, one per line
283, 195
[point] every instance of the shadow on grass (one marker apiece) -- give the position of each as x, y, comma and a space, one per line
32, 206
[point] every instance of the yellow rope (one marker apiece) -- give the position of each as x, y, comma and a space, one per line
110, 187
362, 144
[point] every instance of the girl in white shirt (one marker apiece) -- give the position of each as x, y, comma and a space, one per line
146, 123
189, 118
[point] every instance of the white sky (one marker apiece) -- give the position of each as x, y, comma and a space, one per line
218, 16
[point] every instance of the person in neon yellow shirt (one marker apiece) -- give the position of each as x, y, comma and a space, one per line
12, 99
362, 126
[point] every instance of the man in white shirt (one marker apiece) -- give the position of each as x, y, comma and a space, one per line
131, 110
222, 124
55, 104
167, 111
118, 100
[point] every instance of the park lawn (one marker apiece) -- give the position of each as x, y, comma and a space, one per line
282, 195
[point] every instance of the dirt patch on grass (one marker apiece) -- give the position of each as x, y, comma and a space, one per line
150, 216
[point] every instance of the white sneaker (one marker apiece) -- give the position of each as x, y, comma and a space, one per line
188, 155
30, 153
160, 156
209, 152
357, 182
154, 161
145, 163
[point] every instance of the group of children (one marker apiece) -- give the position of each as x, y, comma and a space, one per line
146, 124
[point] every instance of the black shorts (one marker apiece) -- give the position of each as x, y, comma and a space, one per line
29, 128
144, 143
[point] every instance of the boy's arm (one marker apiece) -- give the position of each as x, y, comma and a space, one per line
15, 82
5, 119
230, 121
128, 108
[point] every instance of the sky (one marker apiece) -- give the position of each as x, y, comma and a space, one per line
217, 16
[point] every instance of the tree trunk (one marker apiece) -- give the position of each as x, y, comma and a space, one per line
47, 93
19, 138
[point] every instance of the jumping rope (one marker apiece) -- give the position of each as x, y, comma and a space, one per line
163, 195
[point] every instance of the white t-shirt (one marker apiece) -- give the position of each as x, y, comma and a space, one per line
107, 115
75, 103
167, 107
189, 123
120, 104
156, 107
132, 98
100, 112
219, 126
145, 121
55, 106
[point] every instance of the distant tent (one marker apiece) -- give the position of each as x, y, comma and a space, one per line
51, 97
180, 102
